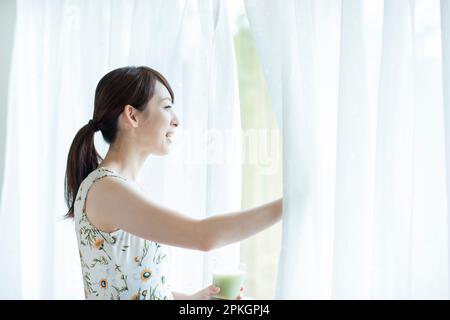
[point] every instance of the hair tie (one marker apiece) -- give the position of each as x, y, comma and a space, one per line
93, 126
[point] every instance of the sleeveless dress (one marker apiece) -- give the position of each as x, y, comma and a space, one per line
118, 265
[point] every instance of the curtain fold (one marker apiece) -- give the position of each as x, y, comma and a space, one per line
353, 161
62, 49
10, 237
445, 38
394, 182
360, 96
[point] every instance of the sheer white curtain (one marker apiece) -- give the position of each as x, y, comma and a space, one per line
61, 50
445, 36
9, 239
358, 88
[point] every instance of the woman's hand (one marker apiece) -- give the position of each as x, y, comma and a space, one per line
241, 294
223, 229
209, 292
206, 294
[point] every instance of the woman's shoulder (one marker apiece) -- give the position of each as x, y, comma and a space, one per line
103, 185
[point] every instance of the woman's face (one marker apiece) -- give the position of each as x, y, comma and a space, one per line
157, 122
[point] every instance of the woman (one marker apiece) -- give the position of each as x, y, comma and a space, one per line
122, 235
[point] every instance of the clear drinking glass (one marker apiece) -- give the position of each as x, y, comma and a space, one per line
229, 279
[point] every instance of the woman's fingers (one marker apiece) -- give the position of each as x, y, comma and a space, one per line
240, 296
209, 292
206, 293
213, 288
212, 291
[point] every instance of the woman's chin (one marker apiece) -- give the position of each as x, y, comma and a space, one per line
164, 151
161, 153
164, 148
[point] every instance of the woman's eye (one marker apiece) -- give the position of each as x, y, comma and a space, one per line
167, 107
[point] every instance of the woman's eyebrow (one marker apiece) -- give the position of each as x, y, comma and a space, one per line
166, 98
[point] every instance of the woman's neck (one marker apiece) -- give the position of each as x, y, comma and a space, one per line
127, 164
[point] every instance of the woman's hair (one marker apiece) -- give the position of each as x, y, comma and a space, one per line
128, 85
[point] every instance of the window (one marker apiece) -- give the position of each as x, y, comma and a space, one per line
262, 161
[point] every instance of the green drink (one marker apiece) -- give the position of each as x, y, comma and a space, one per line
230, 283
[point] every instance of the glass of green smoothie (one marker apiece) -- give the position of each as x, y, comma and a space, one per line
230, 281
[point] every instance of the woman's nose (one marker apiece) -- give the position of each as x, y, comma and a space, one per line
175, 121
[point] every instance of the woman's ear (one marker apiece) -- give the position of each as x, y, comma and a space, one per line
130, 115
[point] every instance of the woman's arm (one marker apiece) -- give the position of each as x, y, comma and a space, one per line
224, 229
113, 202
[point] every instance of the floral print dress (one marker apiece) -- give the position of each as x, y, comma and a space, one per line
118, 265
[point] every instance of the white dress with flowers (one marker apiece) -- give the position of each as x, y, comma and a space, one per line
118, 265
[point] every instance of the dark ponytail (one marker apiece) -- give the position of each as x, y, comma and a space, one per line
128, 85
82, 160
